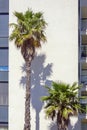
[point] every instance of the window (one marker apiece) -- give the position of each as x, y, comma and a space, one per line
84, 51
84, 105
3, 74
3, 128
3, 115
4, 25
84, 93
84, 108
84, 24
84, 124
3, 93
84, 73
3, 42
3, 57
4, 5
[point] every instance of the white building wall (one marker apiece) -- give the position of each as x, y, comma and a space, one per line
59, 55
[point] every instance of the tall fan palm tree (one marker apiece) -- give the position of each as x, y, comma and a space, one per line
28, 34
62, 102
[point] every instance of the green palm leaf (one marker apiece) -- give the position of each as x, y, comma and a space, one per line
63, 100
28, 34
29, 25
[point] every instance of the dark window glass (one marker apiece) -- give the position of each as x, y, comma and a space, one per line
84, 93
84, 124
84, 51
84, 108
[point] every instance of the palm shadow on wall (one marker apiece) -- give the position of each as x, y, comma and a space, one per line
40, 74
53, 126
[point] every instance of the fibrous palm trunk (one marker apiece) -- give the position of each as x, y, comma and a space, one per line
28, 52
27, 100
61, 122
59, 128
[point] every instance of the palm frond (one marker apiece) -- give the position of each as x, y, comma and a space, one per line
29, 25
45, 98
50, 112
19, 15
67, 112
62, 101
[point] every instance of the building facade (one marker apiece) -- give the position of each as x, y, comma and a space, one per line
4, 21
83, 59
63, 57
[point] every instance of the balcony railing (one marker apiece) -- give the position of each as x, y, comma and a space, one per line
84, 25
84, 79
84, 51
84, 72
84, 108
3, 73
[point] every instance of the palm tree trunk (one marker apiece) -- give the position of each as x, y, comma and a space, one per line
61, 128
27, 125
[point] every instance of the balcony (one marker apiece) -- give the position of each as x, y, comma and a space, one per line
3, 73
83, 101
84, 39
84, 73
84, 79
84, 26
84, 53
84, 76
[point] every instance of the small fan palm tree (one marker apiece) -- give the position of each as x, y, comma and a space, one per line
28, 34
62, 102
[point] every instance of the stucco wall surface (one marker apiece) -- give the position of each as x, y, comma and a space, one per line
57, 60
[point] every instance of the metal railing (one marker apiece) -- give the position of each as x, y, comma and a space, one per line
3, 73
84, 79
84, 25
84, 51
